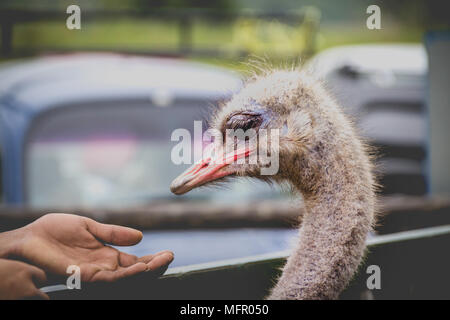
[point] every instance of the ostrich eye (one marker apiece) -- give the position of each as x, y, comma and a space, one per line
244, 120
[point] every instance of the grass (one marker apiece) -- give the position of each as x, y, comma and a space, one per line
331, 36
159, 35
123, 33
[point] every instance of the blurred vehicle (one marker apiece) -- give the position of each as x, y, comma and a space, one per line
383, 87
94, 130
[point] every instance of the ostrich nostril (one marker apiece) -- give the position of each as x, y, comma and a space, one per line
202, 165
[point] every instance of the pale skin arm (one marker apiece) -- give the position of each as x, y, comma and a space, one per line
55, 241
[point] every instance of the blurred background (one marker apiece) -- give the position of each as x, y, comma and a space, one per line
220, 32
86, 116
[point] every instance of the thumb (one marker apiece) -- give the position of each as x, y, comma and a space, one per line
116, 235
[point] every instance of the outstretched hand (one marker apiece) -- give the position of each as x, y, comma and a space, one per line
55, 241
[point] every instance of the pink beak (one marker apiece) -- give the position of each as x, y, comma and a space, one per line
214, 165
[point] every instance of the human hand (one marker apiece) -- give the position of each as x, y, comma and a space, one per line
55, 241
18, 280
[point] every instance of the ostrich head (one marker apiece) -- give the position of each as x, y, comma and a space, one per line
320, 154
264, 126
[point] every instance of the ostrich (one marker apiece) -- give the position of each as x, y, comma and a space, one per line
321, 156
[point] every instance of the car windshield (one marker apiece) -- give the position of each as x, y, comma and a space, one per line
116, 154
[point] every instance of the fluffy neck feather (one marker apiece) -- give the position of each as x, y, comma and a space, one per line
337, 186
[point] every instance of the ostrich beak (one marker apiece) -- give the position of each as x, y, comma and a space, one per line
208, 169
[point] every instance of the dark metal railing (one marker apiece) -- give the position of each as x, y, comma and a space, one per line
395, 213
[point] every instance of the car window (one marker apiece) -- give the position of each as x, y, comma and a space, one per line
115, 154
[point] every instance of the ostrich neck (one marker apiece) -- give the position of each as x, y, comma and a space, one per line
339, 201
